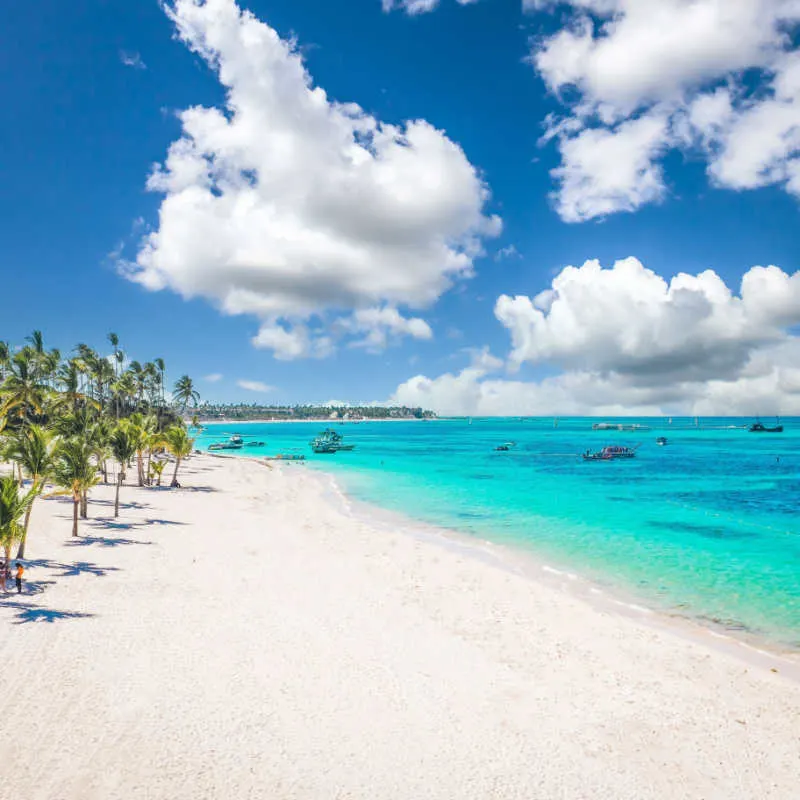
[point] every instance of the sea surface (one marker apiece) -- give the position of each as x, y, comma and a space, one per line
706, 527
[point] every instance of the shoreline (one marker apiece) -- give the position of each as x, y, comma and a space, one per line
518, 559
612, 597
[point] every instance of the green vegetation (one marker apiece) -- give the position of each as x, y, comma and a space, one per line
65, 421
208, 412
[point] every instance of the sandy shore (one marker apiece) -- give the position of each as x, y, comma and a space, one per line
245, 637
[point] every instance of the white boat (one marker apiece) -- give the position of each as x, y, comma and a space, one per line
619, 426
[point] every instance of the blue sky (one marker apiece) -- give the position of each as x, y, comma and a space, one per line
91, 95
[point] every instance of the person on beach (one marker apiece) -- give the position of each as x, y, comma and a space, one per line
18, 577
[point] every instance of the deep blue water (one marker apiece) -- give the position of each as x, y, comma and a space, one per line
706, 526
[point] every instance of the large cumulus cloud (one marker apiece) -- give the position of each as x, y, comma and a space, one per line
625, 340
641, 77
293, 207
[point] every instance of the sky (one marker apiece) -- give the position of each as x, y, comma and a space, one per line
486, 207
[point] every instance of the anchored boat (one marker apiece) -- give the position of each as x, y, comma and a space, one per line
619, 426
759, 427
329, 441
610, 453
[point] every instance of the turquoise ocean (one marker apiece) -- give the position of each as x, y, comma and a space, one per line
705, 527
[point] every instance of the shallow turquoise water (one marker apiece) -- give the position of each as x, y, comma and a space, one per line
706, 526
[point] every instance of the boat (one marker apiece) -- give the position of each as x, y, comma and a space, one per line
329, 441
285, 457
506, 446
225, 446
661, 441
619, 426
759, 427
610, 453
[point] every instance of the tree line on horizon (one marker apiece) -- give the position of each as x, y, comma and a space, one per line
66, 421
209, 411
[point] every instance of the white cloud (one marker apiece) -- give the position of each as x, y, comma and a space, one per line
510, 251
723, 74
414, 7
628, 341
254, 386
605, 170
214, 377
290, 206
133, 60
294, 342
379, 324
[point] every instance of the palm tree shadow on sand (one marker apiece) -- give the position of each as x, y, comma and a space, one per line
73, 569
28, 612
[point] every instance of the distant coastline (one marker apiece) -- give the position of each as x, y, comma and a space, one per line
317, 420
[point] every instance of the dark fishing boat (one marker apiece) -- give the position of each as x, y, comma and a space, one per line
661, 441
759, 427
329, 441
506, 446
610, 453
225, 446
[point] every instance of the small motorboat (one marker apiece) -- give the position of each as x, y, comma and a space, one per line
505, 447
610, 453
661, 441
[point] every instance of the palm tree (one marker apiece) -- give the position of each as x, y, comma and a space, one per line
123, 390
185, 393
162, 370
157, 466
13, 506
5, 357
180, 444
123, 446
75, 472
33, 449
113, 340
23, 390
142, 428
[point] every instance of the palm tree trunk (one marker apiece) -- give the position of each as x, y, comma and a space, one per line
76, 499
140, 467
21, 548
175, 474
84, 504
6, 566
120, 478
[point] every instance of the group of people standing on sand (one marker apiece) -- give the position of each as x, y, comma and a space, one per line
5, 574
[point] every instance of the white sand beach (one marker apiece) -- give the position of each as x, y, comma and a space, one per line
246, 637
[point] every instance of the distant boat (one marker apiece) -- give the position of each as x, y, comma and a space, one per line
619, 426
506, 446
234, 443
759, 427
661, 441
611, 453
329, 441
225, 446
